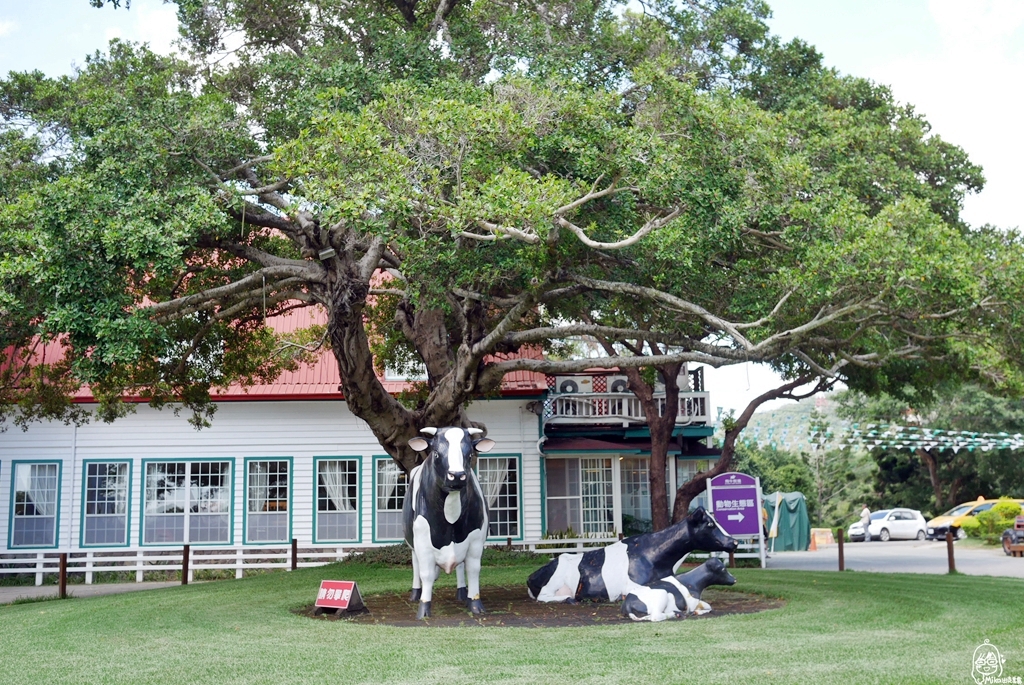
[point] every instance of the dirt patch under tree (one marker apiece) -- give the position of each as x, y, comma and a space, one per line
511, 606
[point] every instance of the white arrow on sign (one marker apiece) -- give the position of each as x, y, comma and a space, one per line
735, 517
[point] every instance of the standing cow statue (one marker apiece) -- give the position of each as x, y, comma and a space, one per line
675, 595
445, 514
606, 574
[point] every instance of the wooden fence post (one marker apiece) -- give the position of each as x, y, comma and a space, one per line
184, 565
63, 575
295, 554
949, 551
840, 536
732, 558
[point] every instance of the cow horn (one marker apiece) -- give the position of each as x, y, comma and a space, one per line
429, 430
474, 431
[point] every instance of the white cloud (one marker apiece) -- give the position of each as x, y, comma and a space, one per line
6, 27
156, 25
965, 88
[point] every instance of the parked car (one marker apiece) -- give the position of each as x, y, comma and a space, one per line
952, 519
891, 524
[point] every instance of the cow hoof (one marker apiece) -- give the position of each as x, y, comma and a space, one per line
476, 606
424, 611
414, 596
570, 600
462, 594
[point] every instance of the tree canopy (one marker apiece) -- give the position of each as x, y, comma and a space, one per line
450, 181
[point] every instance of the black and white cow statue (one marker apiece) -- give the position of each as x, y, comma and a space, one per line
445, 514
675, 595
606, 574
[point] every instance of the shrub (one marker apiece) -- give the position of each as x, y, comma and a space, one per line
989, 525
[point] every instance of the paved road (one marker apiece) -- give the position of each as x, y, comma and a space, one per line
10, 594
903, 557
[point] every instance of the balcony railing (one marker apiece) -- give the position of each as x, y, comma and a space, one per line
624, 408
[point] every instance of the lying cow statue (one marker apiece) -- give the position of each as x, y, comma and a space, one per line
605, 574
445, 515
675, 595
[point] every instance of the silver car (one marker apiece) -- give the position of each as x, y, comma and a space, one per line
891, 524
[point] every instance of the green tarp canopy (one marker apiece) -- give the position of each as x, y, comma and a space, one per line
794, 525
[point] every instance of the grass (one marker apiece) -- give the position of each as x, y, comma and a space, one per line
835, 628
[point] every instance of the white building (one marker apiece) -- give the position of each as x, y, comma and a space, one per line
288, 461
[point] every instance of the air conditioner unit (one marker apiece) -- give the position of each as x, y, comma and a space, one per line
618, 384
573, 384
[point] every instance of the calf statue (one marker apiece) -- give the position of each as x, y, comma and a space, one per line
606, 574
445, 514
675, 595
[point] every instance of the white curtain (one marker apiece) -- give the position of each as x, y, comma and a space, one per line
492, 478
120, 487
387, 477
334, 478
42, 488
259, 486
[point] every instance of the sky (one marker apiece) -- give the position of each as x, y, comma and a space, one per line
959, 62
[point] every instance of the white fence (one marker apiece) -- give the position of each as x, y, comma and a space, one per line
140, 561
162, 559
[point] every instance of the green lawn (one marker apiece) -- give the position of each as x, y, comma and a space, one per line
835, 628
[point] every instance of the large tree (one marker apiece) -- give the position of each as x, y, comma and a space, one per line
454, 181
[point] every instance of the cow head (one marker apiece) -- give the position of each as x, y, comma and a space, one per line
718, 574
707, 535
450, 453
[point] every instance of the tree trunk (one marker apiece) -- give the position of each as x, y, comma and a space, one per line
933, 474
661, 425
686, 492
391, 423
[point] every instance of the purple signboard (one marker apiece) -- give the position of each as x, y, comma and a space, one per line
735, 503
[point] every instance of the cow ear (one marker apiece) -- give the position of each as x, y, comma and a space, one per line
484, 445
419, 444
429, 430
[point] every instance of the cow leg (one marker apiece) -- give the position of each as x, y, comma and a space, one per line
414, 596
461, 594
427, 573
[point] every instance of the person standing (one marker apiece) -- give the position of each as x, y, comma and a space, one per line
865, 520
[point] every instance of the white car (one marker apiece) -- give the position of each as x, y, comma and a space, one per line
892, 524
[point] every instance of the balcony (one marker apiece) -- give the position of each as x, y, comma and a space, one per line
611, 408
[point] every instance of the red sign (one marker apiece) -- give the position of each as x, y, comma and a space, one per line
1019, 523
339, 594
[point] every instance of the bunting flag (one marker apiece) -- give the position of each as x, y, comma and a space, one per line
797, 433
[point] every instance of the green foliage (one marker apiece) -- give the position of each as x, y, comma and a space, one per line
516, 170
903, 478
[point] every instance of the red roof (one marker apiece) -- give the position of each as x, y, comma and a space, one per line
319, 380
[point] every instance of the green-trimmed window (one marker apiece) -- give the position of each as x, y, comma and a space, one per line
187, 502
105, 515
499, 482
390, 496
579, 496
337, 500
34, 514
267, 497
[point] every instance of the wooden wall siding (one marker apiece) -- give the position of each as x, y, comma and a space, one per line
299, 429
